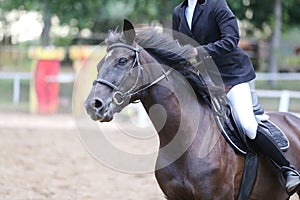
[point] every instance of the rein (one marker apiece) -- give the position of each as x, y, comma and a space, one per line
119, 96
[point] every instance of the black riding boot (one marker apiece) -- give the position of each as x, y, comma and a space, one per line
268, 148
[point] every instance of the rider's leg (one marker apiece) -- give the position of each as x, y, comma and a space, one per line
240, 98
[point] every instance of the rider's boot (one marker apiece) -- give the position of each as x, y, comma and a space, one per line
268, 148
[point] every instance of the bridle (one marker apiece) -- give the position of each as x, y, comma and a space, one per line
119, 96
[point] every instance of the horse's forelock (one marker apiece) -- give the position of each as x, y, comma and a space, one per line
113, 37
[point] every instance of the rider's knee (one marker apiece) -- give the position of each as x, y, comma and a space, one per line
250, 130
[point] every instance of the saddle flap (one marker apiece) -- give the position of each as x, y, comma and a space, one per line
232, 131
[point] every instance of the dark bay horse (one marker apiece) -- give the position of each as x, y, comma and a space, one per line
199, 164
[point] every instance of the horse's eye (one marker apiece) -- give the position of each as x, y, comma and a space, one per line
123, 61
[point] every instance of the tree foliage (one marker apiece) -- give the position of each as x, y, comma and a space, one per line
101, 15
279, 15
260, 13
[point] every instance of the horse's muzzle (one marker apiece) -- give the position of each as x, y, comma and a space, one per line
97, 111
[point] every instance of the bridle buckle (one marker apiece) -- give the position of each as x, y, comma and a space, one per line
118, 98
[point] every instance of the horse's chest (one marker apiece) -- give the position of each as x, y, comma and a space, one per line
197, 184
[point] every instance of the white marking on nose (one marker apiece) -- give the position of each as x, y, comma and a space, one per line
108, 55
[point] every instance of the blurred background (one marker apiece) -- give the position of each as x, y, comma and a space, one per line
36, 34
45, 43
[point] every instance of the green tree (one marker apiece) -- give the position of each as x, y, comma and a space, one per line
149, 10
279, 15
98, 16
81, 12
260, 13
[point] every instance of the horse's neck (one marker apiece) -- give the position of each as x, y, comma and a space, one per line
174, 110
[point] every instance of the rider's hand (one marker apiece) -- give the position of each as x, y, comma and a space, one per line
195, 52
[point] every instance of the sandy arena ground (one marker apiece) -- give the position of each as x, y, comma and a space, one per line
42, 158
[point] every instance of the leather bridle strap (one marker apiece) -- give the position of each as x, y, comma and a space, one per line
130, 93
107, 83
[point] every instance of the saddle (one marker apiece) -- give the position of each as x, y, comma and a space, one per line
231, 128
232, 131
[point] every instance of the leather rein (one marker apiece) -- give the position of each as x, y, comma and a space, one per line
119, 96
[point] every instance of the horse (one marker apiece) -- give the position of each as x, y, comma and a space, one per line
200, 164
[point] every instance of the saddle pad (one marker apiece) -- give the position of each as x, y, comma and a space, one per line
277, 134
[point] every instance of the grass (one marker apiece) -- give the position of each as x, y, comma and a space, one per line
271, 104
6, 91
280, 85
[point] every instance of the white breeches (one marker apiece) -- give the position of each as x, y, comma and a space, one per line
240, 98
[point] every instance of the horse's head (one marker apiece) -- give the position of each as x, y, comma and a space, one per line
119, 75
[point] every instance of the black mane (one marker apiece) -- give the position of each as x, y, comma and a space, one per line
164, 48
161, 46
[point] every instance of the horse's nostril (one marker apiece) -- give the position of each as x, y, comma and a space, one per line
98, 104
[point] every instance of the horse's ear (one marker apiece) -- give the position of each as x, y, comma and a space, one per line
128, 31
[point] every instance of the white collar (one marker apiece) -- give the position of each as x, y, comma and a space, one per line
192, 3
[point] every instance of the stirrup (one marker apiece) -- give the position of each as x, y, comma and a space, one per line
290, 172
289, 168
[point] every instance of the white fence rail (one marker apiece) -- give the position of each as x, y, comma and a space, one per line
278, 76
18, 76
283, 95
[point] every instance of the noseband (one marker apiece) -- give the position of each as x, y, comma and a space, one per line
119, 96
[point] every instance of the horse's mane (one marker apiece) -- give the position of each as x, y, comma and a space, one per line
159, 45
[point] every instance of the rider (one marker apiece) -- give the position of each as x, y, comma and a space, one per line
212, 24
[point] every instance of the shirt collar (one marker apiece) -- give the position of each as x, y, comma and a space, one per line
192, 3
185, 2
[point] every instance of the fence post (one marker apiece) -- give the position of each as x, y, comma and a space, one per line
16, 92
284, 101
